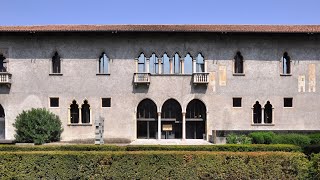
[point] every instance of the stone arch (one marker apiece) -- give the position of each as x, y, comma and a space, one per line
171, 119
196, 118
147, 119
2, 123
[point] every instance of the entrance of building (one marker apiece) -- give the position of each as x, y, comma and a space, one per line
171, 120
196, 120
147, 120
2, 123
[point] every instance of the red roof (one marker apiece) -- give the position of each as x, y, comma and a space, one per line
166, 28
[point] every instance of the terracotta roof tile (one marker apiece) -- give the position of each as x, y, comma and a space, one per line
166, 28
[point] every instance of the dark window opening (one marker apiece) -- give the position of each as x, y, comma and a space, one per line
2, 64
237, 102
268, 113
103, 64
56, 63
74, 112
106, 102
200, 63
171, 120
2, 115
287, 102
54, 102
147, 120
257, 116
286, 64
238, 63
196, 119
85, 112
141, 63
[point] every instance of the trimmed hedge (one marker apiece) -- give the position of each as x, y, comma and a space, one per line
227, 147
154, 165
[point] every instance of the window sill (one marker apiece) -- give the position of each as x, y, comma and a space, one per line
287, 107
285, 74
257, 124
84, 124
54, 107
100, 74
236, 107
55, 74
239, 74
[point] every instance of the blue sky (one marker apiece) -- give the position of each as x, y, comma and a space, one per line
38, 12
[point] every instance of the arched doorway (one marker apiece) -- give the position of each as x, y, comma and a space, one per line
196, 117
171, 120
147, 120
2, 123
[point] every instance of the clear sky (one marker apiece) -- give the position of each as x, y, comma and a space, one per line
38, 12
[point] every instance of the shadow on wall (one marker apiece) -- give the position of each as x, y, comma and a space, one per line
141, 88
199, 88
4, 89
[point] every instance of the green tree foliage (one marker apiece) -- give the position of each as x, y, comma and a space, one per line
37, 126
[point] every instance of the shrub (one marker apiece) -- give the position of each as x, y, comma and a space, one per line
155, 165
37, 126
232, 138
315, 166
262, 137
238, 139
296, 139
315, 138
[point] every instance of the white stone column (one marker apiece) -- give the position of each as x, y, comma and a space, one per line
160, 65
182, 66
80, 116
194, 70
159, 125
262, 115
183, 126
147, 68
171, 65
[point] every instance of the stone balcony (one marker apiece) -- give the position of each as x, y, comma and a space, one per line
200, 78
141, 78
5, 78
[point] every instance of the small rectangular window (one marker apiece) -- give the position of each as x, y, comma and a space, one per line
54, 102
106, 102
237, 102
287, 102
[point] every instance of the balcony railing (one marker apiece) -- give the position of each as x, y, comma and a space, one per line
5, 78
200, 78
142, 78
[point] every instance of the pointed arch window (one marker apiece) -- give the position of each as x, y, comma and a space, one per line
268, 113
85, 112
257, 113
74, 112
56, 63
238, 63
188, 64
285, 64
103, 64
165, 64
3, 67
142, 63
200, 63
176, 64
154, 64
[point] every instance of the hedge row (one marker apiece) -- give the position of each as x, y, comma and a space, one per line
153, 165
227, 147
